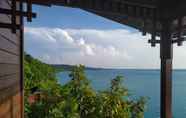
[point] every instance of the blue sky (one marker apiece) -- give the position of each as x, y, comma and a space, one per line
61, 35
65, 17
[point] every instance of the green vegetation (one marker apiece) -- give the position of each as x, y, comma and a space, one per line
76, 99
64, 67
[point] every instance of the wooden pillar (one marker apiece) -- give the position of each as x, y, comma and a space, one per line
22, 58
166, 70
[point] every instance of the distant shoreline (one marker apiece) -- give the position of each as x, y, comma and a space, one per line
65, 67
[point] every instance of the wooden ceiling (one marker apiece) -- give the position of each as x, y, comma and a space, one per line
139, 14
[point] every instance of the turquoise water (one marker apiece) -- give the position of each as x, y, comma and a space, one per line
141, 83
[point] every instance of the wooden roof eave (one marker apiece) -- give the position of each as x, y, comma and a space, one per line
126, 20
110, 12
142, 3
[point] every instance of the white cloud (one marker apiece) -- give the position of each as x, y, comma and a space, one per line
117, 48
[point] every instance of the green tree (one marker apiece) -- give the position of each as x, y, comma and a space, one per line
76, 99
113, 103
41, 76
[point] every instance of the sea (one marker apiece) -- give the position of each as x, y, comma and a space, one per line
140, 83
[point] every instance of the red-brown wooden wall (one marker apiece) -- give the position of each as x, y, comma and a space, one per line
11, 97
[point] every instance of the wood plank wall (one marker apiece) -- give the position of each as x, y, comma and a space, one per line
11, 100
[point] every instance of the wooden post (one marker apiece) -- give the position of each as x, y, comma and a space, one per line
166, 70
22, 58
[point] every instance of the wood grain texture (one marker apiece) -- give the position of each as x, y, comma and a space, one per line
8, 93
7, 69
11, 107
8, 46
4, 18
5, 4
9, 58
10, 80
13, 38
10, 69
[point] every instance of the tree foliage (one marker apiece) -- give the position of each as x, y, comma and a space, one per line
76, 99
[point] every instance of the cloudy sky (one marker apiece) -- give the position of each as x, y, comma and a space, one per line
71, 36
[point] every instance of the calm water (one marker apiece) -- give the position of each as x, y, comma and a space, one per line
141, 83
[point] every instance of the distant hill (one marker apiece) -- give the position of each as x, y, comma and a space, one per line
65, 67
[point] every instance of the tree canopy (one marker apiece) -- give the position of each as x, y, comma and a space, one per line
76, 99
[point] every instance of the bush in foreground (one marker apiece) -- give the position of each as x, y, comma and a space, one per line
76, 99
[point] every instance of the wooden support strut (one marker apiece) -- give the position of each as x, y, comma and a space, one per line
153, 35
29, 10
180, 39
13, 17
18, 13
22, 57
166, 70
144, 21
13, 12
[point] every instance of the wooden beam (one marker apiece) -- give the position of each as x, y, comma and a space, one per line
9, 26
146, 3
166, 70
108, 9
22, 58
142, 3
111, 6
29, 10
40, 2
13, 16
19, 13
